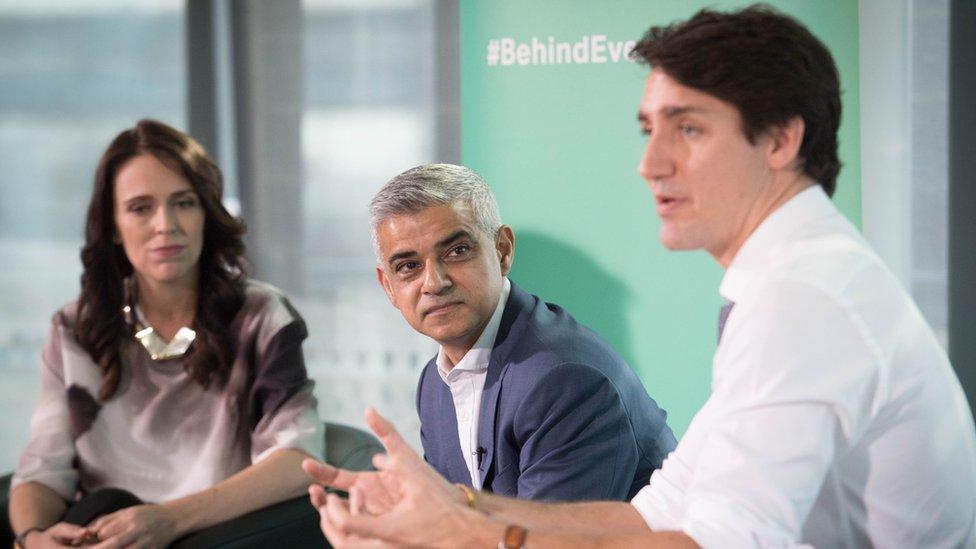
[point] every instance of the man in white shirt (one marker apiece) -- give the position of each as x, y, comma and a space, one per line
835, 418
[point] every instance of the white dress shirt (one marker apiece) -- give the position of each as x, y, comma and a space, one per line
466, 380
835, 418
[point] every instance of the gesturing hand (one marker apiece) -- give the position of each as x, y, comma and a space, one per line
405, 503
378, 490
138, 526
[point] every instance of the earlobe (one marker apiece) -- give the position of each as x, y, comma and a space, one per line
385, 284
786, 141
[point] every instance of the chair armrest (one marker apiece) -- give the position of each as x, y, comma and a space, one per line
6, 533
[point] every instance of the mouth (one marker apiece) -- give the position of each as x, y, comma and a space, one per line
441, 309
667, 204
167, 251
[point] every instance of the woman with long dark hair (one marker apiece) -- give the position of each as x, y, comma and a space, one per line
174, 394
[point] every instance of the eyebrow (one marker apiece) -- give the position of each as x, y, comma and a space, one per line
671, 112
177, 194
443, 243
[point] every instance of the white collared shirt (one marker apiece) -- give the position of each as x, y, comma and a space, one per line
835, 418
466, 380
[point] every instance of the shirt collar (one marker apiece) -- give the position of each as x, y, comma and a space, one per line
776, 230
479, 354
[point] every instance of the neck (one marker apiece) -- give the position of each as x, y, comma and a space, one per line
780, 192
455, 353
168, 307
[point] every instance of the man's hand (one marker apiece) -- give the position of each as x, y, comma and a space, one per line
378, 491
405, 503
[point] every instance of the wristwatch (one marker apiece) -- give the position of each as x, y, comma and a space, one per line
19, 541
514, 537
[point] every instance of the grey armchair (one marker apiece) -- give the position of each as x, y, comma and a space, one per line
292, 523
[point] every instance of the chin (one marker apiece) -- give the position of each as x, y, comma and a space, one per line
675, 243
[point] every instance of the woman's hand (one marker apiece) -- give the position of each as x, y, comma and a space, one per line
61, 534
139, 526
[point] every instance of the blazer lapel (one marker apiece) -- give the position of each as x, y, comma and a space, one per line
437, 417
517, 310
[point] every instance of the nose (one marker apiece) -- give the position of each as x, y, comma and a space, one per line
436, 279
656, 162
165, 220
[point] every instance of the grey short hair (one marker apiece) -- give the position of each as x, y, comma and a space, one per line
431, 185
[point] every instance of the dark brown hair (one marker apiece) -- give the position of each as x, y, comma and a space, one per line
101, 325
766, 64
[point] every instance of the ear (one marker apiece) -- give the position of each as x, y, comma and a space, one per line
385, 283
785, 146
505, 248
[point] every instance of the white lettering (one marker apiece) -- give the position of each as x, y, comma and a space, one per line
563, 53
507, 51
581, 51
590, 48
598, 48
616, 50
539, 56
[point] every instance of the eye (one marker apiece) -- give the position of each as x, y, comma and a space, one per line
689, 130
186, 202
460, 250
645, 131
140, 209
406, 267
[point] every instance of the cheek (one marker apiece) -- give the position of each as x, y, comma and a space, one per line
404, 296
195, 224
128, 234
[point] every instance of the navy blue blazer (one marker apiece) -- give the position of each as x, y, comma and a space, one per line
563, 417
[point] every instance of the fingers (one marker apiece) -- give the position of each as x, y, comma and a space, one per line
386, 432
382, 462
112, 542
98, 523
68, 532
328, 475
347, 524
336, 537
356, 501
316, 495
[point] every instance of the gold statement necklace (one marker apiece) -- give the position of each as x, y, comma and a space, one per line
154, 344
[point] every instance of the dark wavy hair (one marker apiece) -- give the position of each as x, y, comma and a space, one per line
101, 326
766, 64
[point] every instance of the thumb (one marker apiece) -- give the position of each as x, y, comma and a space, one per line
321, 472
66, 530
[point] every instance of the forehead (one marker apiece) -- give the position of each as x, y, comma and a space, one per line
426, 227
664, 96
147, 175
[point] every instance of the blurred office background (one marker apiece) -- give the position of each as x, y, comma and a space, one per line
309, 107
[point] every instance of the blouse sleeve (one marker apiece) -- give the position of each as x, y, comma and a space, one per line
47, 459
281, 400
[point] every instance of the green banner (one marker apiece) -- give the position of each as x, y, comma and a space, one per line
548, 110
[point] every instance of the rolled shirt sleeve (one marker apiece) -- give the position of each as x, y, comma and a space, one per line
281, 401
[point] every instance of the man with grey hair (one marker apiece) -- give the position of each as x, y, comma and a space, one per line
521, 399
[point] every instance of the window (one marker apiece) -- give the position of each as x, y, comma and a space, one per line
74, 73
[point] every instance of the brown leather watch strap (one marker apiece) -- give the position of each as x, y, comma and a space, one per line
514, 537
